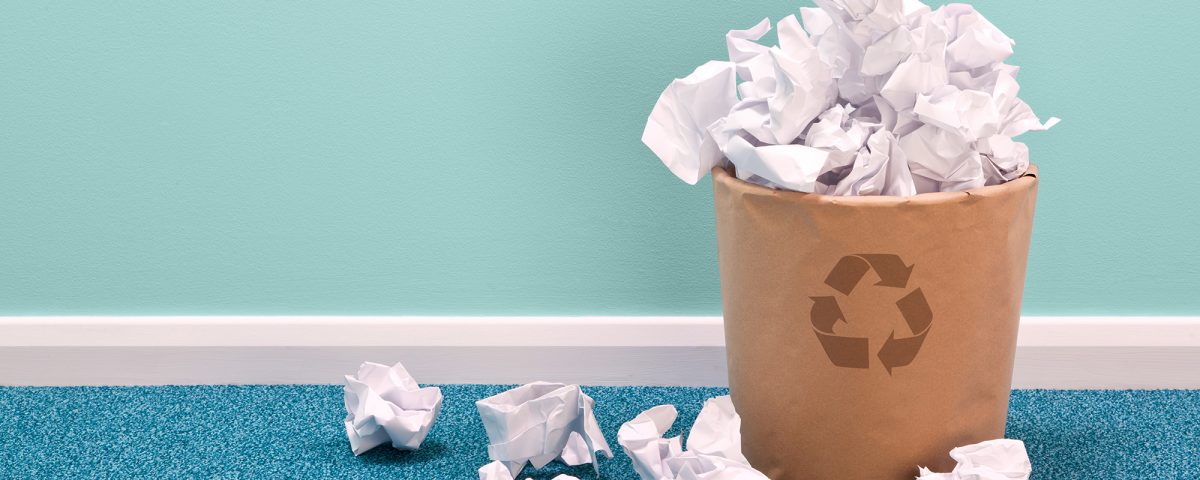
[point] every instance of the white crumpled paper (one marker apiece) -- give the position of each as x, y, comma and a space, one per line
498, 471
869, 97
714, 450
539, 422
385, 404
714, 445
1001, 459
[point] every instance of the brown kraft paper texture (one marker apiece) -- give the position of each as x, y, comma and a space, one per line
869, 335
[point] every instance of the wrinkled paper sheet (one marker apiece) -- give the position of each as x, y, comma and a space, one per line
714, 450
385, 404
539, 422
868, 97
1002, 459
499, 471
714, 445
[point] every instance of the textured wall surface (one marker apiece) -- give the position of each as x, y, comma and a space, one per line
484, 157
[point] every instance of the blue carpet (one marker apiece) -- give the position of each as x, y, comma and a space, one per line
296, 432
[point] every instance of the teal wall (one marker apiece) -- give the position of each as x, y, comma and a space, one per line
265, 157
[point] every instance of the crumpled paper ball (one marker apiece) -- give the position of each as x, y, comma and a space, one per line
385, 404
1001, 459
714, 450
869, 97
539, 422
714, 445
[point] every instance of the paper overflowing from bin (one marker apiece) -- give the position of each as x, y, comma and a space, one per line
539, 422
714, 449
868, 97
1002, 459
684, 110
385, 404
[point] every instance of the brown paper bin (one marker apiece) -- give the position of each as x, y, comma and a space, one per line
869, 335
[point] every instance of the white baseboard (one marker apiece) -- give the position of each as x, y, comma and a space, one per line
1053, 352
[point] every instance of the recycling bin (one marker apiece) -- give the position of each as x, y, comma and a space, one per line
869, 335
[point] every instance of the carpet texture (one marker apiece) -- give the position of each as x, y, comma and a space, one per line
296, 432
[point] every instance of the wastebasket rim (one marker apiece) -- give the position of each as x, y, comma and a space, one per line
1026, 181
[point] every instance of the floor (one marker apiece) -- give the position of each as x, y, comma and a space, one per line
296, 431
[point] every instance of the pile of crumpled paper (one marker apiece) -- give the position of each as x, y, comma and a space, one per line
540, 422
869, 97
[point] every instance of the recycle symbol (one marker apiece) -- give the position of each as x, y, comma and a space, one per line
854, 352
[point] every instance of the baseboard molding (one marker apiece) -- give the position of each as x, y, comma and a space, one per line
1053, 352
